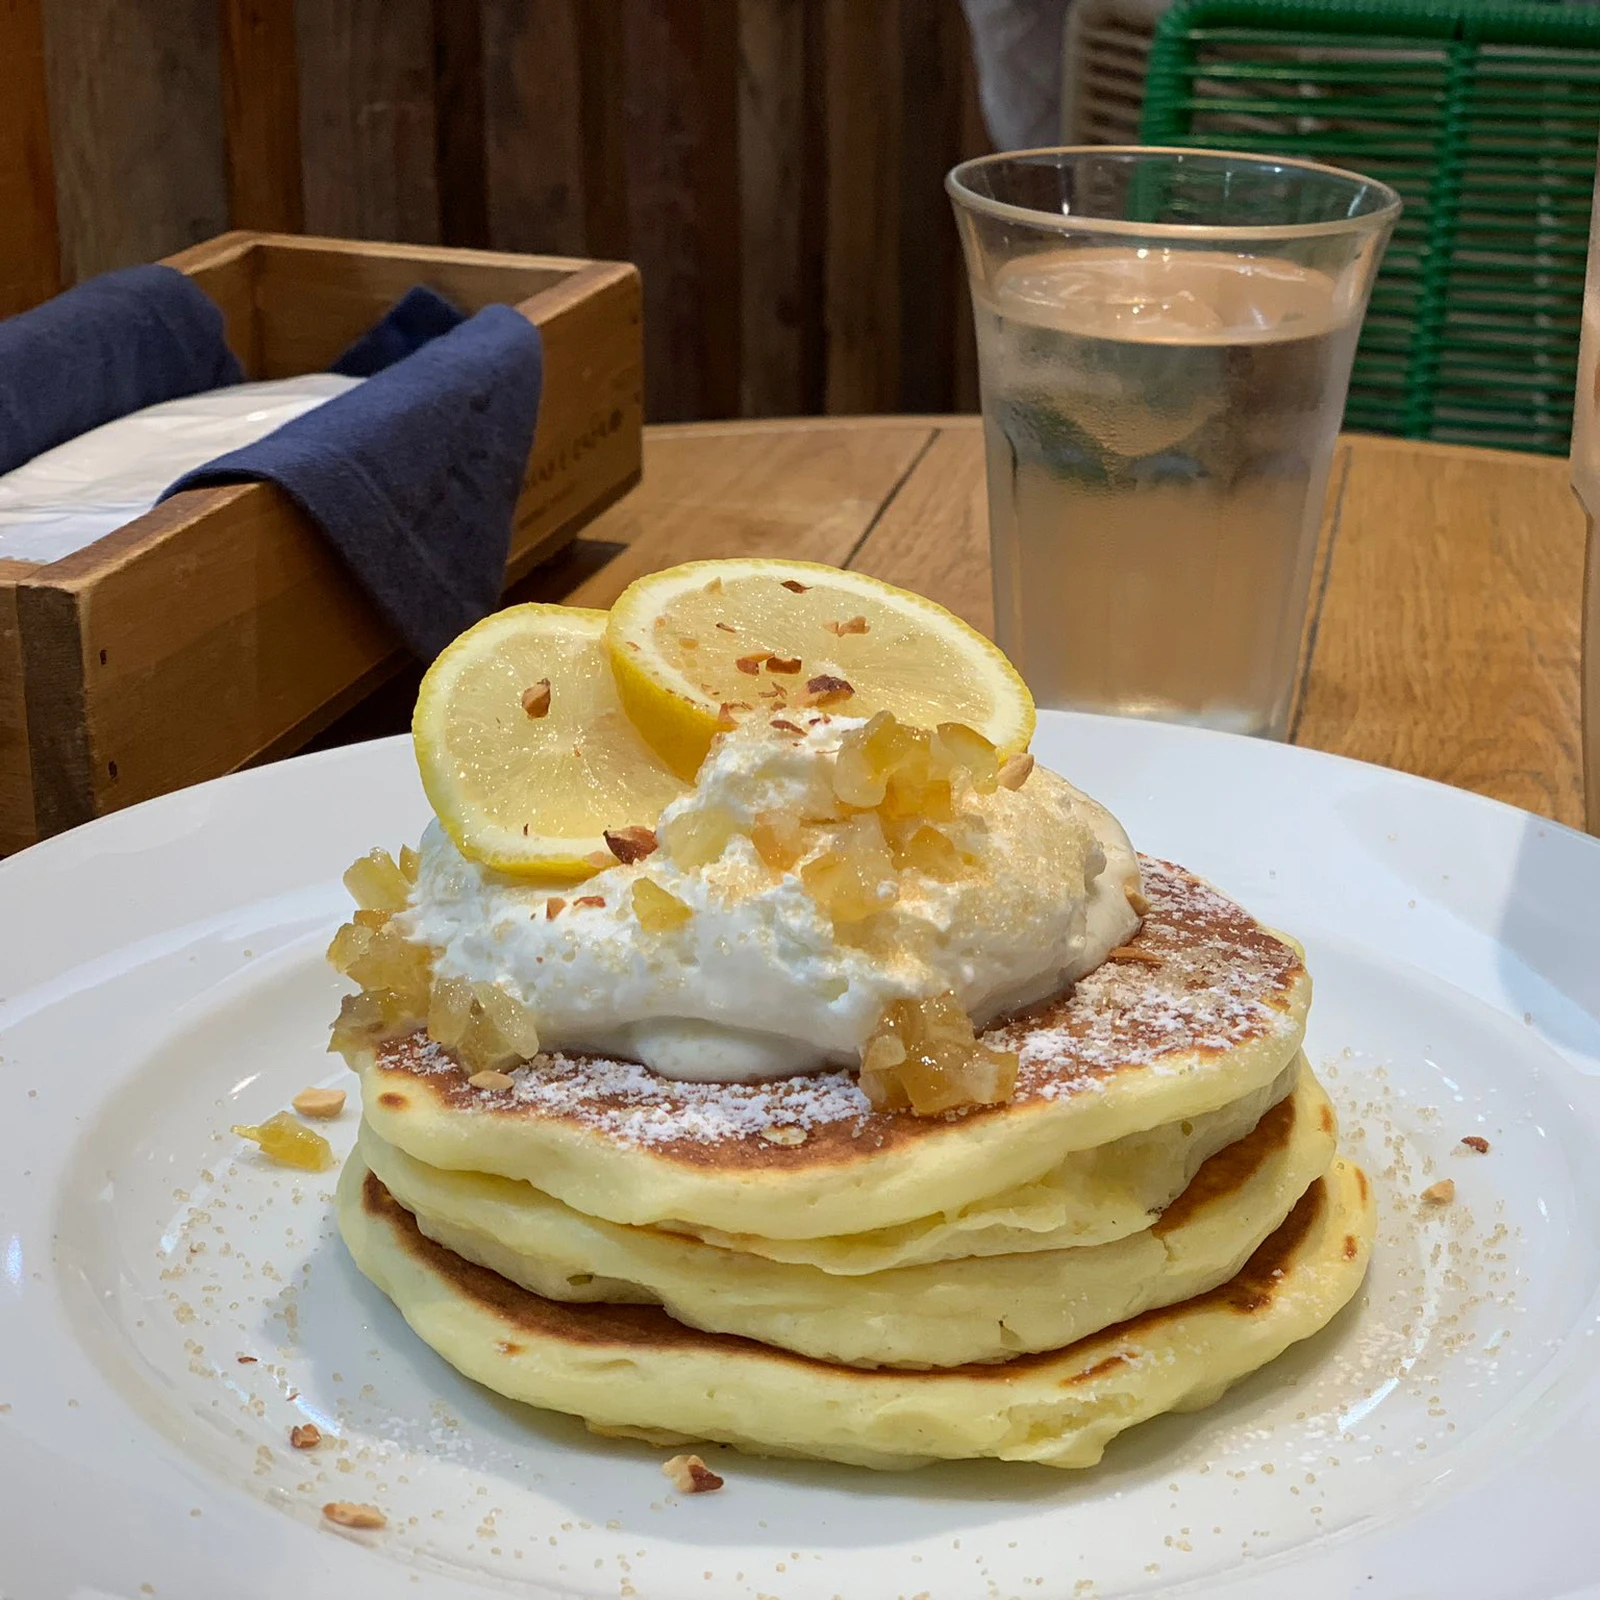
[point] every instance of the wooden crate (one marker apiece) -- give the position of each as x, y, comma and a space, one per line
219, 629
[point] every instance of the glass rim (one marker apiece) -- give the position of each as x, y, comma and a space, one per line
957, 187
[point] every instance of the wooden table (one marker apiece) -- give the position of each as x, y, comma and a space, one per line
1446, 606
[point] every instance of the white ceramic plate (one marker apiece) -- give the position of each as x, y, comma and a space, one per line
161, 978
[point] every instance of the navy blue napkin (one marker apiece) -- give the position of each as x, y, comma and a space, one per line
418, 316
414, 475
113, 344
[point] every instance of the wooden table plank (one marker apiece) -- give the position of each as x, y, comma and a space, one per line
1448, 634
934, 538
1446, 609
727, 490
1446, 629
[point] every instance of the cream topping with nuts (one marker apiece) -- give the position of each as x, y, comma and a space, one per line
794, 897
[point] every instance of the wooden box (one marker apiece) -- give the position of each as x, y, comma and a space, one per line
219, 630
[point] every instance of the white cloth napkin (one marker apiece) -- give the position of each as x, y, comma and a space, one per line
65, 499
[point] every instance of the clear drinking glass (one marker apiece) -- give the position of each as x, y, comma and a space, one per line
1586, 481
1164, 345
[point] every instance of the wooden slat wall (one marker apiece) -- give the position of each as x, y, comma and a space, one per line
775, 167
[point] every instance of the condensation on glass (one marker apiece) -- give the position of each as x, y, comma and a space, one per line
1164, 345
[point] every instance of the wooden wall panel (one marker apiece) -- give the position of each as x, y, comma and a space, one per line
863, 86
367, 118
601, 70
30, 256
774, 167
779, 165
135, 128
680, 99
261, 115
533, 127
973, 141
460, 141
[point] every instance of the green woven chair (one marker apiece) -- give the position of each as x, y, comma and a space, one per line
1486, 119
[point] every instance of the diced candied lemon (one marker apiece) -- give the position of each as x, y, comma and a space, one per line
853, 875
449, 1010
779, 839
696, 838
676, 639
392, 962
534, 795
960, 746
289, 1143
367, 1018
923, 848
658, 909
514, 1022
925, 1057
376, 883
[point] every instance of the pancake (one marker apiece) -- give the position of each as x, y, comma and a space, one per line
1091, 1197
1208, 1006
634, 1369
946, 1314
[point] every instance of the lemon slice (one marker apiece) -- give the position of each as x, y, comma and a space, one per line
525, 752
699, 646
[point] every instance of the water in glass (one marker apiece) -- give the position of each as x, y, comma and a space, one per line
1160, 423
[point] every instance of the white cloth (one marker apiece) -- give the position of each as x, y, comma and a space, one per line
80, 491
1017, 47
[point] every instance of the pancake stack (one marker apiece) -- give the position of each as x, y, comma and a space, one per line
1156, 1212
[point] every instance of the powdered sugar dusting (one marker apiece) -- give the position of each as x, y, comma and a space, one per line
635, 1106
1219, 980
1213, 979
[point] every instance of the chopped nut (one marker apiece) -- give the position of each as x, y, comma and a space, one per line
827, 690
690, 1475
727, 627
751, 664
1476, 1141
1128, 952
1440, 1193
305, 1437
1016, 771
553, 907
247, 1361
783, 663
490, 1079
1141, 906
536, 701
794, 586
725, 716
590, 900
786, 725
601, 859
714, 587
854, 625
784, 1133
632, 843
350, 1515
319, 1103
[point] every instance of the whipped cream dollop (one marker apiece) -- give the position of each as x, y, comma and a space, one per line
758, 982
